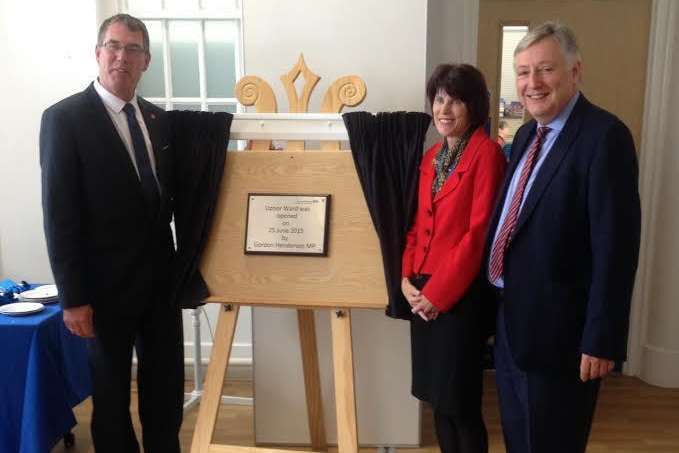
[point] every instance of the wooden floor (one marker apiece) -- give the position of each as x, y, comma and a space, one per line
632, 417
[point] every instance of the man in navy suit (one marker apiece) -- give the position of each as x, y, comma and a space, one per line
562, 251
107, 208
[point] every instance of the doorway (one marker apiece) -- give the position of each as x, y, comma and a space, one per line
613, 40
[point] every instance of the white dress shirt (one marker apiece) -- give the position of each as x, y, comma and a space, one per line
556, 125
114, 107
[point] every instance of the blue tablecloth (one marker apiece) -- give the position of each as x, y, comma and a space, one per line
44, 373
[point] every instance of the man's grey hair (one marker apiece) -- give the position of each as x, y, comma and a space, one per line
132, 23
560, 32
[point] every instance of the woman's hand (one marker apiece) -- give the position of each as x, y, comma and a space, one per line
412, 294
425, 309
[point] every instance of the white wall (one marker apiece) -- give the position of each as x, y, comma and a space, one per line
338, 38
451, 37
452, 29
43, 61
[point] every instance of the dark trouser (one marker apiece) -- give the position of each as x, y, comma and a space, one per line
461, 434
156, 335
541, 412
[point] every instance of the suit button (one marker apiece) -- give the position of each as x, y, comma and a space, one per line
427, 232
429, 213
426, 248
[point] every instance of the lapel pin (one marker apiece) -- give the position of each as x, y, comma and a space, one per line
153, 116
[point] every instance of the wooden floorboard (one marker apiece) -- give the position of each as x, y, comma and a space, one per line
632, 417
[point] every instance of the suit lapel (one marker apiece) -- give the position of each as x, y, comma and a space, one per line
109, 134
556, 155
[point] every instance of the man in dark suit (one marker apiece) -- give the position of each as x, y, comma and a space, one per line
107, 208
562, 251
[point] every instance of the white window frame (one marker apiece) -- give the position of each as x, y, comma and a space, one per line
202, 16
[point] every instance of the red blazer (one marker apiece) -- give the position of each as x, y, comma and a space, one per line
449, 232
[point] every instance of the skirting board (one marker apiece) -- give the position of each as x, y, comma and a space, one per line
660, 366
237, 371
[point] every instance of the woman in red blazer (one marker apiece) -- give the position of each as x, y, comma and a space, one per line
459, 180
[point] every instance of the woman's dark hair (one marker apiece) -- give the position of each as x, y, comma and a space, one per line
463, 82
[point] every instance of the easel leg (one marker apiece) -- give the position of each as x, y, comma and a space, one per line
214, 381
345, 399
312, 380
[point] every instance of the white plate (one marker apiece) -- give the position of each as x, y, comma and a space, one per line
48, 292
49, 300
21, 308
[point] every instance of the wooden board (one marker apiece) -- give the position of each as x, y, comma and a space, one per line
350, 276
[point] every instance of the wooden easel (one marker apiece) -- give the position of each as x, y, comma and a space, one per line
353, 262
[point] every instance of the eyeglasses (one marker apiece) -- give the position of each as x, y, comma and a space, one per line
117, 46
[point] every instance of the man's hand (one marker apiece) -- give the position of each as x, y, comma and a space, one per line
594, 367
412, 294
425, 309
79, 321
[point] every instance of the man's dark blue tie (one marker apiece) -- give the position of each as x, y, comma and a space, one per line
141, 155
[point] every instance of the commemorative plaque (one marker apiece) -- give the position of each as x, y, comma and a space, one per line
287, 224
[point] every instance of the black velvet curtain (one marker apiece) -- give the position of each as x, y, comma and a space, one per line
387, 151
199, 141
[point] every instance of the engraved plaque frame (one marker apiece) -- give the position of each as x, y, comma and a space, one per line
296, 249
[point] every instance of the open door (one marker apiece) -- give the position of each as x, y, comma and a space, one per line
613, 39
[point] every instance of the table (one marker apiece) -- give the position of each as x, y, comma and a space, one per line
44, 373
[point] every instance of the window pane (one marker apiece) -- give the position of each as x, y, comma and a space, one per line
220, 57
511, 35
193, 107
231, 108
184, 37
152, 83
